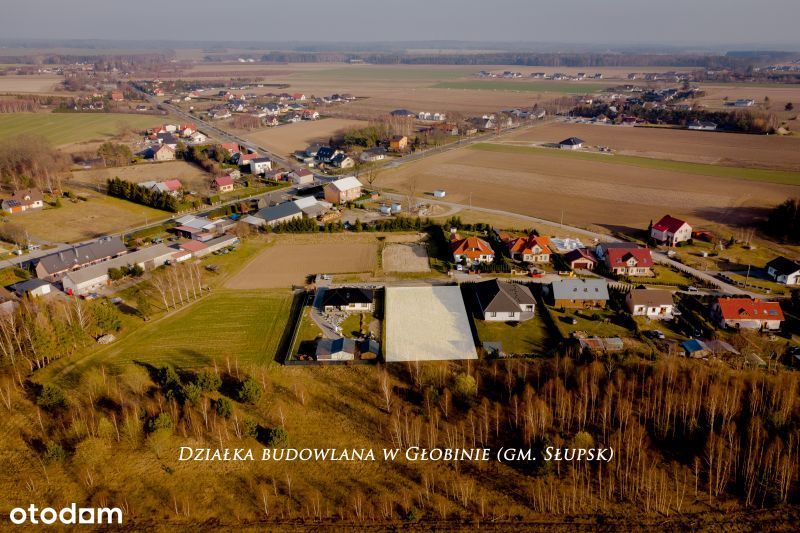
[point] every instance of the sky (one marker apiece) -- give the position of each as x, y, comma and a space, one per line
673, 22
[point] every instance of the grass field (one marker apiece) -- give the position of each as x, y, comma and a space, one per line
237, 325
191, 176
529, 337
67, 128
525, 86
287, 138
741, 173
40, 84
398, 73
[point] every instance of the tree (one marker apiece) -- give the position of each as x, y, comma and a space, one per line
143, 304
115, 155
277, 437
161, 421
250, 391
465, 387
208, 380
224, 407
51, 397
789, 106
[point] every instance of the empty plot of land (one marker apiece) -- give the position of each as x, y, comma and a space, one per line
733, 149
777, 95
427, 324
584, 192
285, 263
29, 84
66, 128
191, 176
288, 138
405, 258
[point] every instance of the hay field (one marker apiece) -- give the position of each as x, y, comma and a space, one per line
191, 176
711, 147
40, 84
543, 184
293, 258
287, 138
779, 95
410, 257
68, 128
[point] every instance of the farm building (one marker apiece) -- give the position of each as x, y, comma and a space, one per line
87, 279
32, 287
343, 190
278, 214
427, 323
784, 271
670, 231
311, 207
53, 266
652, 303
23, 200
747, 313
577, 293
501, 301
352, 299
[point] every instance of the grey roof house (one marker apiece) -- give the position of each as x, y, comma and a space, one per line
53, 266
503, 301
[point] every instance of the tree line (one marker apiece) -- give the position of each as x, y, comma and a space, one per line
134, 192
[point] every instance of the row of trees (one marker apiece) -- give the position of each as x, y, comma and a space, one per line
783, 221
133, 192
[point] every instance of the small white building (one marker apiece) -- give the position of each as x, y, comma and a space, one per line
671, 231
653, 303
301, 176
260, 165
572, 143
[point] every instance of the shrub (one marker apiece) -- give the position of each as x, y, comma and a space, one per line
465, 387
192, 393
160, 421
54, 453
51, 397
250, 391
224, 407
276, 438
250, 428
208, 380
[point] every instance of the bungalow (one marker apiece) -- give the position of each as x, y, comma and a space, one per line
533, 249
341, 349
23, 200
747, 313
172, 187
572, 143
301, 176
503, 301
784, 271
398, 143
165, 152
52, 267
260, 165
471, 250
581, 258
32, 287
343, 190
670, 231
351, 299
220, 113
630, 261
231, 148
223, 184
373, 154
577, 293
278, 214
652, 303
403, 113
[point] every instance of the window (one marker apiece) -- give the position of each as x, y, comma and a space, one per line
493, 315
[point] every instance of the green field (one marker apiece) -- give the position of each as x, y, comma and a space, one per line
743, 173
244, 326
529, 337
66, 128
366, 72
535, 87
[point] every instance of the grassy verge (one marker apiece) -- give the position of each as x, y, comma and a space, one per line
743, 173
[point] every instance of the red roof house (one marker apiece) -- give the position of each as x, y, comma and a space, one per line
533, 249
630, 261
670, 230
471, 249
747, 313
223, 184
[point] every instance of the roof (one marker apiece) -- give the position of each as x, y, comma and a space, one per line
328, 347
427, 323
403, 113
668, 224
343, 296
502, 297
618, 257
378, 150
471, 247
571, 141
345, 184
81, 255
27, 196
580, 254
28, 285
305, 201
101, 269
749, 309
223, 180
525, 245
260, 160
248, 157
193, 246
277, 212
302, 172
783, 265
580, 289
231, 147
651, 297
172, 185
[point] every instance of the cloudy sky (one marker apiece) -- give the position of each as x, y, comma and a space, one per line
674, 22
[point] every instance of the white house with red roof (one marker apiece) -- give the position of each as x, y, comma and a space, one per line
532, 249
301, 176
747, 313
670, 230
223, 184
631, 261
471, 250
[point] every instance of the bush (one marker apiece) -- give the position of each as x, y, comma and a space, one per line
51, 397
192, 393
224, 407
54, 453
465, 387
208, 381
250, 428
277, 438
250, 392
160, 421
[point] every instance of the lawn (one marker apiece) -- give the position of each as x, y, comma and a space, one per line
529, 337
351, 326
536, 87
370, 73
701, 169
666, 276
306, 335
243, 326
66, 128
587, 324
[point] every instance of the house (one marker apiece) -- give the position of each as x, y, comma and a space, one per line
702, 125
533, 249
398, 143
325, 154
198, 137
117, 96
222, 184
373, 154
471, 250
167, 139
23, 200
352, 299
503, 301
244, 159
784, 271
744, 102
164, 152
220, 113
341, 349
342, 160
403, 113
343, 190
577, 293
52, 267
260, 165
32, 287
172, 187
630, 261
671, 231
747, 313
601, 250
301, 176
652, 303
572, 143
581, 259
278, 214
231, 148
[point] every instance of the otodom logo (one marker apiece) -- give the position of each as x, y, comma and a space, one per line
68, 515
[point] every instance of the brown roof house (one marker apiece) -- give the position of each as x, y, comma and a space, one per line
23, 200
504, 302
652, 303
